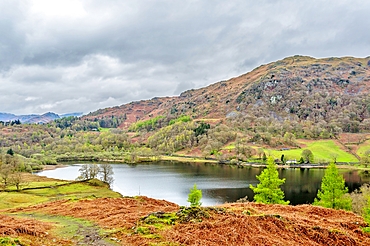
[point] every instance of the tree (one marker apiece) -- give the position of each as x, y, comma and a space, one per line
17, 180
195, 196
360, 200
202, 129
260, 152
334, 157
106, 173
9, 166
5, 172
332, 191
88, 171
283, 158
268, 190
84, 172
264, 157
307, 156
10, 152
93, 171
365, 159
366, 214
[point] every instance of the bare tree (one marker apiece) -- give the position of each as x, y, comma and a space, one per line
106, 173
9, 166
88, 171
17, 180
5, 171
93, 171
84, 172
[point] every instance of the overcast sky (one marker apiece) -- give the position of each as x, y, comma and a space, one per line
82, 55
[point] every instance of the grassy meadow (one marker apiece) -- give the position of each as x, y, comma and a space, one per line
38, 189
323, 151
363, 148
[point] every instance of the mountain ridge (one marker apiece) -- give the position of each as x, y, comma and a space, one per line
34, 118
300, 88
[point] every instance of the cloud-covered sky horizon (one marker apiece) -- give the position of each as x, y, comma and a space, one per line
81, 55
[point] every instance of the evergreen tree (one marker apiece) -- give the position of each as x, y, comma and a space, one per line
10, 152
264, 157
332, 191
268, 190
195, 196
283, 158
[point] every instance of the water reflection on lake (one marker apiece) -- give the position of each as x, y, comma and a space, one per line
219, 183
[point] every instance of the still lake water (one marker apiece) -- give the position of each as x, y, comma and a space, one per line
172, 181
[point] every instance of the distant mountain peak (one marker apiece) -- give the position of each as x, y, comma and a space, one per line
35, 118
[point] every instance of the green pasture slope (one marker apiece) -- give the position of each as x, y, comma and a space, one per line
363, 148
323, 151
54, 190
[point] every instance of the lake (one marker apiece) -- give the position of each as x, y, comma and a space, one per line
172, 181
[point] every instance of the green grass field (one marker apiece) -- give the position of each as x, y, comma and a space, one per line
229, 147
74, 191
184, 159
101, 129
45, 183
19, 199
363, 148
323, 150
24, 198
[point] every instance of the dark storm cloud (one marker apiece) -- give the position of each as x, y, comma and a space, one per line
66, 56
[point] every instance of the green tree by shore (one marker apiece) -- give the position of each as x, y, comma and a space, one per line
332, 191
268, 190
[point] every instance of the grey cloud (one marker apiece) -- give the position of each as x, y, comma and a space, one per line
84, 55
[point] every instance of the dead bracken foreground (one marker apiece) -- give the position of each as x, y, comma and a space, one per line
33, 232
13, 226
136, 221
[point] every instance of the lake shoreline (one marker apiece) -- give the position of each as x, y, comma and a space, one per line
220, 183
195, 159
53, 167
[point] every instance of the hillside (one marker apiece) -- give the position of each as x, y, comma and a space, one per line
332, 91
274, 109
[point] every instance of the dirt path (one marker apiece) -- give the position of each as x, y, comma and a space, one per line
89, 236
74, 230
